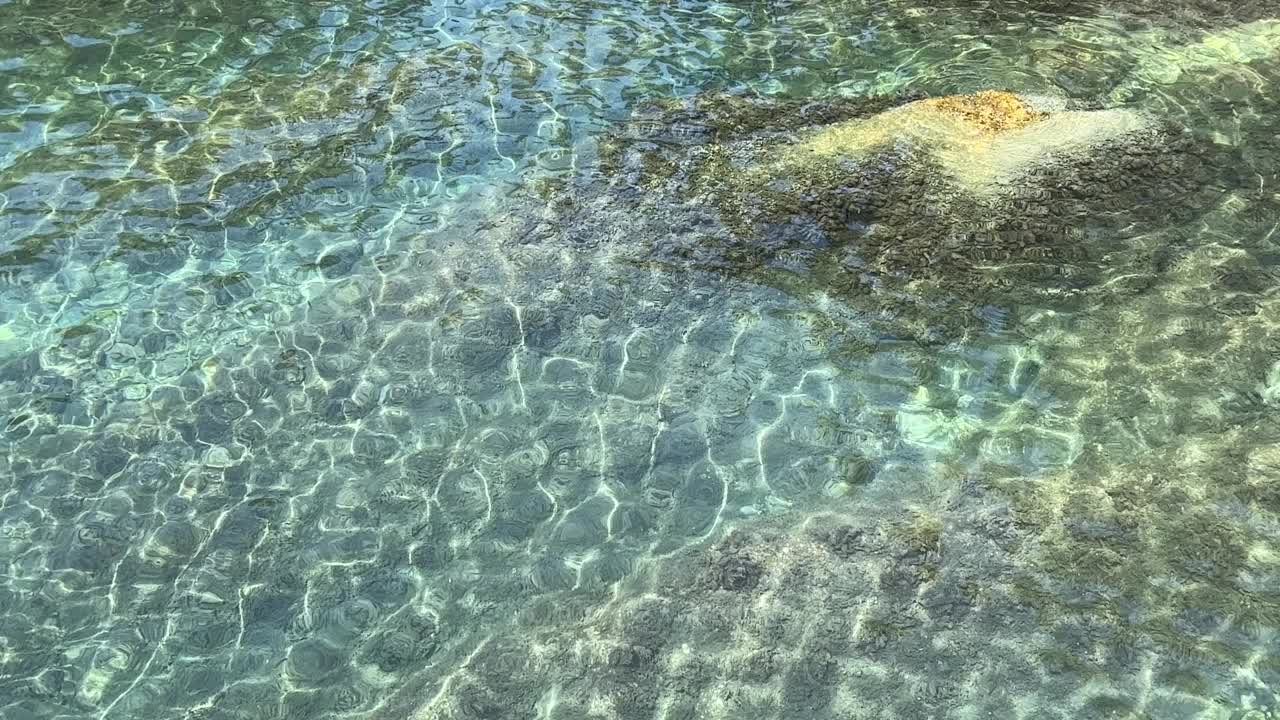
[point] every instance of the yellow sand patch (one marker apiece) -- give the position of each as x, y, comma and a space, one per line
989, 110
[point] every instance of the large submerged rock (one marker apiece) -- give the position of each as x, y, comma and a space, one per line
919, 204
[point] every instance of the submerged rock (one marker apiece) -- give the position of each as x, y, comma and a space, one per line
984, 143
919, 209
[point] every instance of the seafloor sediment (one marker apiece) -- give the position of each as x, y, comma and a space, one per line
679, 441
1138, 579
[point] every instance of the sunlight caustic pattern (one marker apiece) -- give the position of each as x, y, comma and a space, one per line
419, 360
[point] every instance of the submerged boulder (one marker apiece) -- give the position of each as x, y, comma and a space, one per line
983, 143
917, 204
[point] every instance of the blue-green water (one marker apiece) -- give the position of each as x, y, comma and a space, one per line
355, 361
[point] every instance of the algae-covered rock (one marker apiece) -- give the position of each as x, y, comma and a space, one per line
916, 208
984, 142
987, 111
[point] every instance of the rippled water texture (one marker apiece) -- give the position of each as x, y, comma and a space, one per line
347, 371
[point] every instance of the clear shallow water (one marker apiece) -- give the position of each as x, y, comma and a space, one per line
308, 415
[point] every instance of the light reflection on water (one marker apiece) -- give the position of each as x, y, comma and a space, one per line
302, 419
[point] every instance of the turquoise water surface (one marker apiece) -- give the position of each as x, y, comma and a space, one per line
453, 360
